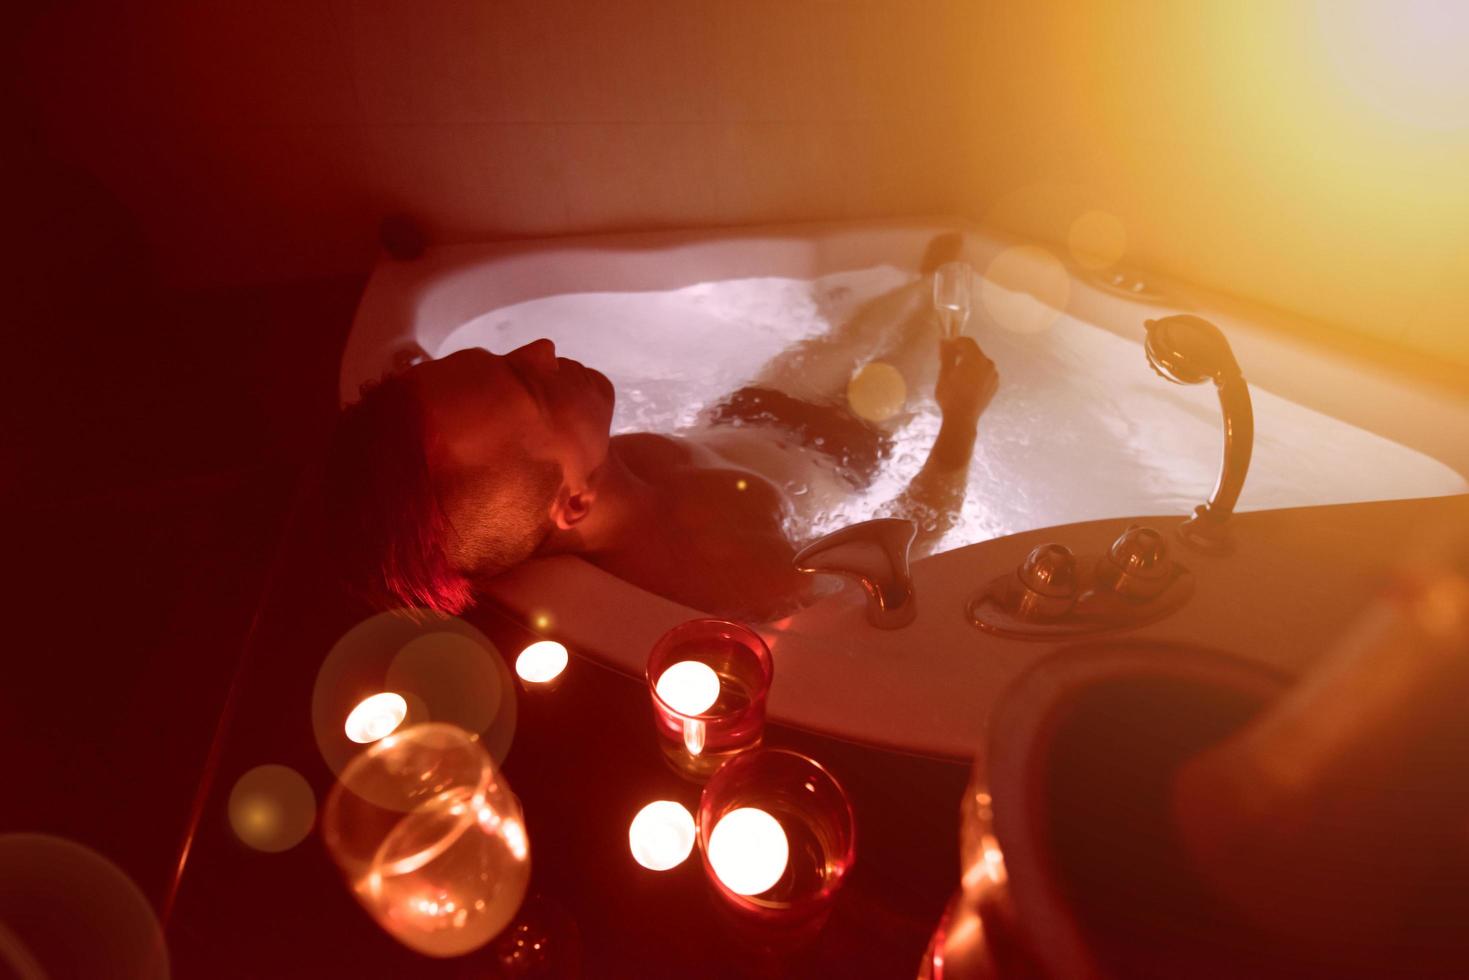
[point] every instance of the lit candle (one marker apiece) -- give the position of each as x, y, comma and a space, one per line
541, 662
661, 835
748, 851
376, 717
690, 688
707, 680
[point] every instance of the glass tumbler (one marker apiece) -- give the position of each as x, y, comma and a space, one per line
820, 839
708, 680
952, 284
430, 838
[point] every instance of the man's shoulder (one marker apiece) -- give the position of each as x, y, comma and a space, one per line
650, 448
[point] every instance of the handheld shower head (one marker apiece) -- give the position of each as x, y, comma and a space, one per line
1189, 350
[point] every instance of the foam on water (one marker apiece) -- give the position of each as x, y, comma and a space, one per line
1079, 429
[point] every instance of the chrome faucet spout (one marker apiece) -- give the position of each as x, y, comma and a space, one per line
875, 553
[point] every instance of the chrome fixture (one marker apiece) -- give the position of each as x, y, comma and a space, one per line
875, 553
1129, 283
1056, 594
1189, 350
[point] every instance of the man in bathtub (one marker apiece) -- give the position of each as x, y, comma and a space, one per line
449, 473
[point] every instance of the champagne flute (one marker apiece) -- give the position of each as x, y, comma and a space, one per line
951, 296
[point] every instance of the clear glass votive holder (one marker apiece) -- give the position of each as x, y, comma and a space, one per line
820, 833
698, 735
430, 838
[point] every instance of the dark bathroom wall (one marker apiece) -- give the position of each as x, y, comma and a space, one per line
263, 140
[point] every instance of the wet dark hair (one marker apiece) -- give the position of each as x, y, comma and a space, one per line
384, 523
387, 519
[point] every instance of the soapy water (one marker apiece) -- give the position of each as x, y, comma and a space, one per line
1080, 428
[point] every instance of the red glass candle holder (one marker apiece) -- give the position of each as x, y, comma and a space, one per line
698, 735
816, 819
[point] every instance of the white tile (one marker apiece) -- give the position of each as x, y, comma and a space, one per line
632, 176
470, 181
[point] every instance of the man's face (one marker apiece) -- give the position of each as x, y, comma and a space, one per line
476, 404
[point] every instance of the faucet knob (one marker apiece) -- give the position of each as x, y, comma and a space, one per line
1137, 565
875, 553
1049, 581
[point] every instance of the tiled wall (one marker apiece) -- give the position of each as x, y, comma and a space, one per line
265, 139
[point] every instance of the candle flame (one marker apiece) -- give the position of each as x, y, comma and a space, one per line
376, 717
748, 851
541, 662
689, 687
661, 835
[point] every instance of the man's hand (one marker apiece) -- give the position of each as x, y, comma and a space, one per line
967, 381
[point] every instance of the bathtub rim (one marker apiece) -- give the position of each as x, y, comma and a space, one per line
422, 301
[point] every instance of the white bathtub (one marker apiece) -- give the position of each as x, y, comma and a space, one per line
926, 688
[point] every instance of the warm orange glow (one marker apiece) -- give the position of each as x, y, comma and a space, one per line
376, 717
512, 831
272, 808
661, 835
1097, 240
748, 851
1408, 59
541, 662
541, 621
1025, 289
877, 391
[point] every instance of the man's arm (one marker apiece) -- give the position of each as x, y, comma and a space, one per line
967, 381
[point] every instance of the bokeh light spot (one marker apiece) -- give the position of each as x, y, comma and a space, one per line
1025, 289
67, 911
541, 662
877, 391
376, 717
445, 670
661, 835
272, 808
1097, 240
748, 850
